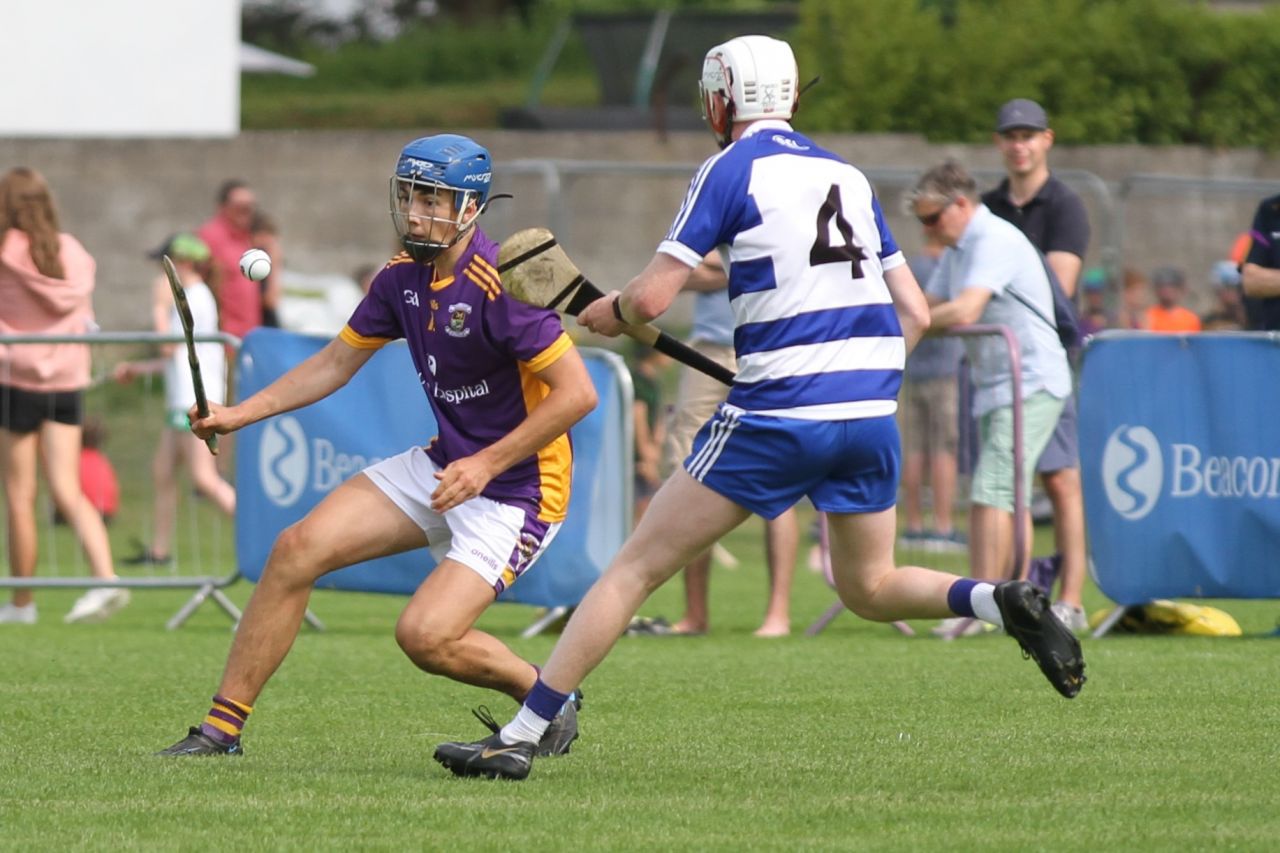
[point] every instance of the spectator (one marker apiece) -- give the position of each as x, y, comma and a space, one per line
987, 259
98, 478
228, 234
697, 400
647, 365
265, 235
1169, 315
1053, 218
1240, 248
364, 275
929, 421
1260, 272
1227, 314
177, 444
1134, 293
1094, 316
46, 285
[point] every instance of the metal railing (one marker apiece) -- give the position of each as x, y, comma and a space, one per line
207, 586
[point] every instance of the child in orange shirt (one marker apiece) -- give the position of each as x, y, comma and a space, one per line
1169, 315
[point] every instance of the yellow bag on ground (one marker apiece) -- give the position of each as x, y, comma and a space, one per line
1173, 617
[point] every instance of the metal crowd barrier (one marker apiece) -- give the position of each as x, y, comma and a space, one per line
207, 585
1020, 511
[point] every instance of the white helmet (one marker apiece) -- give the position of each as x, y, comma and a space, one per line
745, 79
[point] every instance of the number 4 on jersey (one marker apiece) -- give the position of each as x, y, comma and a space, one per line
823, 252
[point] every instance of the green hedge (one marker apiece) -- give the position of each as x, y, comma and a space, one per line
1108, 71
436, 51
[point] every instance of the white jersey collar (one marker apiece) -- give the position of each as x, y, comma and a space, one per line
765, 124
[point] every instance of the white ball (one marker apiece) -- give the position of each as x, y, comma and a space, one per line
255, 264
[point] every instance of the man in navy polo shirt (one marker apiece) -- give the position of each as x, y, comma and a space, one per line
1260, 272
1053, 218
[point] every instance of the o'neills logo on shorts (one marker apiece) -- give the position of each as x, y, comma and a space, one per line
466, 392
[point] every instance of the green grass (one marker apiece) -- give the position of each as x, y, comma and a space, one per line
856, 739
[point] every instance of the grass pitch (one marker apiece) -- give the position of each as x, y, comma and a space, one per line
856, 739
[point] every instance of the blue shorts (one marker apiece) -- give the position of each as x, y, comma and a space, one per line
767, 464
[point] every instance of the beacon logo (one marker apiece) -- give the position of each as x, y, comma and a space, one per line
1132, 471
283, 461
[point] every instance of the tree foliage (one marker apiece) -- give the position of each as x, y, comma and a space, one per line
1108, 71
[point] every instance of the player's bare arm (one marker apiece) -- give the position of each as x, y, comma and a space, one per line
965, 310
644, 298
1066, 266
1260, 282
572, 395
312, 380
909, 304
708, 276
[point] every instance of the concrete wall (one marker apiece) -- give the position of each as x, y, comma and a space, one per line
328, 190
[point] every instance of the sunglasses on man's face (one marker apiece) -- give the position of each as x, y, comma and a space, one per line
931, 219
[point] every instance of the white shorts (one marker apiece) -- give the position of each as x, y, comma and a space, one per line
497, 541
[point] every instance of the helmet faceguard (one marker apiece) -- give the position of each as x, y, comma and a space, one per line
427, 167
746, 79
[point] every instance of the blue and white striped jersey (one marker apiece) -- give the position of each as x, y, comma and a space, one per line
806, 246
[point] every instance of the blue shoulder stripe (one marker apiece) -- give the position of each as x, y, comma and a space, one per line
888, 245
817, 327
817, 389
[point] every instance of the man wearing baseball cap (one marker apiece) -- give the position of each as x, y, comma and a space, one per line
1053, 218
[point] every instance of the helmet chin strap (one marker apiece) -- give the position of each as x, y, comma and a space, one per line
424, 252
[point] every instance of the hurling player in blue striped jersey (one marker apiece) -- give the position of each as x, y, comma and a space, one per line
825, 311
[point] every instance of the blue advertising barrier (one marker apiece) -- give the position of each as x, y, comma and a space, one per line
1180, 459
285, 465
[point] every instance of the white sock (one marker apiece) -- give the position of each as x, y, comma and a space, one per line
983, 599
527, 727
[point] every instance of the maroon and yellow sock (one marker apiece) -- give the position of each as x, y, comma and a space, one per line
225, 720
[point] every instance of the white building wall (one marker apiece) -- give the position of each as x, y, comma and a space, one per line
119, 68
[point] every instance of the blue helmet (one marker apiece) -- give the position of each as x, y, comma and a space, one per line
446, 161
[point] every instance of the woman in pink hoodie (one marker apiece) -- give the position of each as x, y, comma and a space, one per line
46, 286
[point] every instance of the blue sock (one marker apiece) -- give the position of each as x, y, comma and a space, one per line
959, 597
544, 701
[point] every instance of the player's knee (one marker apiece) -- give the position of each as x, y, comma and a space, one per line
861, 603
293, 559
430, 649
860, 597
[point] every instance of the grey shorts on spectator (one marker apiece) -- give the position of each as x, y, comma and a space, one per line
1063, 449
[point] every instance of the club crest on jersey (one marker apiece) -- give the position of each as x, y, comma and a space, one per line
458, 314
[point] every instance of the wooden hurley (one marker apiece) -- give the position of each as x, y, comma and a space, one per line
536, 270
188, 329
